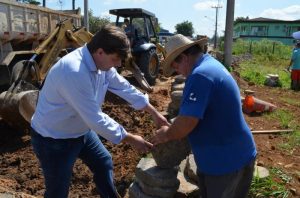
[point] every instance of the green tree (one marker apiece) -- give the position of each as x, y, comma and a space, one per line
156, 24
95, 22
185, 28
239, 19
29, 2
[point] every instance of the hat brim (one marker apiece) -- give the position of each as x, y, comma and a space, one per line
166, 64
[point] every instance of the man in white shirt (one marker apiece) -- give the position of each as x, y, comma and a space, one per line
68, 117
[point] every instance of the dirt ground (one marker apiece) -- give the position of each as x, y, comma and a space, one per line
20, 172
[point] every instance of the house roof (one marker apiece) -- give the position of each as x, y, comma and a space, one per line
263, 19
268, 20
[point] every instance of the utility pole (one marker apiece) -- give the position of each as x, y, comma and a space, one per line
73, 4
229, 33
86, 15
216, 24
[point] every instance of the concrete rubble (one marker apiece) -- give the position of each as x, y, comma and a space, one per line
272, 80
152, 181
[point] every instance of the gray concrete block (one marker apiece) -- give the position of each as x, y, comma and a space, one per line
162, 192
261, 172
177, 87
191, 169
176, 97
134, 191
179, 79
148, 172
186, 189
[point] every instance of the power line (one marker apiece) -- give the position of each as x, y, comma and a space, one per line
217, 7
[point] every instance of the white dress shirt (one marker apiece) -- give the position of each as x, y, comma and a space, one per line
69, 103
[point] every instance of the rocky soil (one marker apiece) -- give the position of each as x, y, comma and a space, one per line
20, 172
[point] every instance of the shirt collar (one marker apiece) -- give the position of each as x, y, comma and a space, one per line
88, 59
200, 59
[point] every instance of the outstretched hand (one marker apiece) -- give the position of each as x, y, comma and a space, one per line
139, 143
160, 121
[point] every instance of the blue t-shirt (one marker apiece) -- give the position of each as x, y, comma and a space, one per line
221, 142
296, 58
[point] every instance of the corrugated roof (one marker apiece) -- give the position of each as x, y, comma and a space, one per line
268, 20
263, 19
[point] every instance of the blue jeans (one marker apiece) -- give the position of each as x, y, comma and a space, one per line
57, 158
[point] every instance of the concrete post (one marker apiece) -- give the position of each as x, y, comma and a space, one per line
229, 33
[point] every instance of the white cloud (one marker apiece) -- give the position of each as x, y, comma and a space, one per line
109, 2
289, 13
105, 15
206, 5
133, 1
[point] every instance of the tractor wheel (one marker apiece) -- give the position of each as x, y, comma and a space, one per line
149, 65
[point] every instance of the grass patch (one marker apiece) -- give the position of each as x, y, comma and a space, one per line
291, 101
255, 71
272, 186
293, 141
266, 48
285, 118
266, 60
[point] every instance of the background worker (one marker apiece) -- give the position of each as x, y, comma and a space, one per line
294, 67
68, 116
211, 116
129, 30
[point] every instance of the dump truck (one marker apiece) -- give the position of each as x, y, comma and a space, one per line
22, 28
28, 72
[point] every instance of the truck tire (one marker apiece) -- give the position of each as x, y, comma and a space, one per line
149, 65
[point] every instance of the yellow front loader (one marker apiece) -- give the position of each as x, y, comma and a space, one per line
17, 104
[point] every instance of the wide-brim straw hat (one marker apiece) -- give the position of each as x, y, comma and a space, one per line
174, 47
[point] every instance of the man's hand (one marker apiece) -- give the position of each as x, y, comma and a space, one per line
158, 119
179, 129
160, 136
138, 143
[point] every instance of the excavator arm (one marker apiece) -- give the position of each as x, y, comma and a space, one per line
18, 103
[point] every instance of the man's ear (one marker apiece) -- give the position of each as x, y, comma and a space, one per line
99, 51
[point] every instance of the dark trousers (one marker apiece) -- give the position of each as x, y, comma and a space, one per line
57, 158
233, 185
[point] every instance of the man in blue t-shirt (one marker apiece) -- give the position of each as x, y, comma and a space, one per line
211, 116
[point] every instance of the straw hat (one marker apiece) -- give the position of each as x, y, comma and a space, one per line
174, 47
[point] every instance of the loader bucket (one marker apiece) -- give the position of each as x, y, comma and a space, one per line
137, 73
17, 105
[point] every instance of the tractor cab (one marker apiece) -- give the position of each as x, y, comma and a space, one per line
138, 25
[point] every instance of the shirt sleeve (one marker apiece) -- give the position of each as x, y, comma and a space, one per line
196, 96
121, 87
77, 90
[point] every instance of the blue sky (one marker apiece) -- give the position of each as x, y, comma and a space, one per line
199, 12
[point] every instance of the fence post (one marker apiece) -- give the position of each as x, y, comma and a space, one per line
250, 49
273, 47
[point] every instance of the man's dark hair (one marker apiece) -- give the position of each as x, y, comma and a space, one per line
112, 40
193, 50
